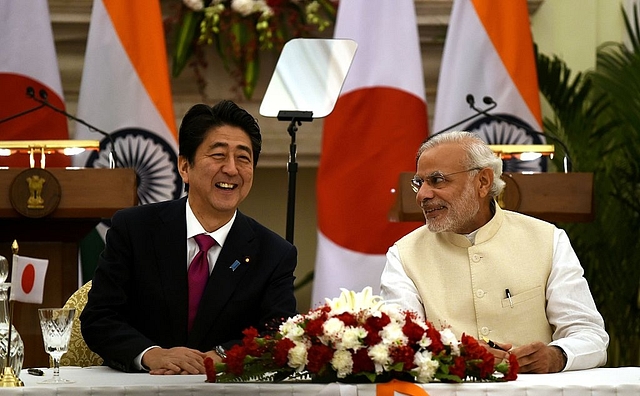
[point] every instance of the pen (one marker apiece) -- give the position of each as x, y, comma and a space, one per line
35, 371
508, 293
494, 345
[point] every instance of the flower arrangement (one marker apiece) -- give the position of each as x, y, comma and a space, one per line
358, 338
239, 29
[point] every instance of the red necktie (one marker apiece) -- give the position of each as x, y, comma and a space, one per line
198, 274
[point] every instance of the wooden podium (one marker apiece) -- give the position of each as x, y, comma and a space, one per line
554, 197
86, 196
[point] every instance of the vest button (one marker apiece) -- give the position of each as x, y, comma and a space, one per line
480, 293
476, 258
484, 330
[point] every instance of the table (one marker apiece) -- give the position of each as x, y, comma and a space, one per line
105, 381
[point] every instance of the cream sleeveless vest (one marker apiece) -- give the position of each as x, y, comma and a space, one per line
464, 286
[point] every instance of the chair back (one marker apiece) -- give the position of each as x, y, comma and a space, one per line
79, 353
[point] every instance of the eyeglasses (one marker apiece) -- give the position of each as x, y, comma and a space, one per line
434, 180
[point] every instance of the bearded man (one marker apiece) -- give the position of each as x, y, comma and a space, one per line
510, 280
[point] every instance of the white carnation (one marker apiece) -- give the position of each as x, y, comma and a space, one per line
333, 328
342, 362
291, 329
448, 338
195, 5
393, 334
379, 353
248, 7
297, 356
352, 338
426, 366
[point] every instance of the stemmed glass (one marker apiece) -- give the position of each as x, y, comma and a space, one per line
56, 331
4, 269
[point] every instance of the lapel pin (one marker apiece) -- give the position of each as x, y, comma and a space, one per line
234, 265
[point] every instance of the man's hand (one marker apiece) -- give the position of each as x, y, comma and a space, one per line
500, 351
178, 360
539, 358
216, 358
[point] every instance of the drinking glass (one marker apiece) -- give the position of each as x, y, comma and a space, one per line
56, 331
4, 269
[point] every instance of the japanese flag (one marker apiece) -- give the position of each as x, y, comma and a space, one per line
27, 279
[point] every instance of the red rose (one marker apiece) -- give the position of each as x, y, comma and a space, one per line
235, 360
377, 323
313, 328
317, 356
348, 319
459, 367
362, 362
403, 354
514, 366
210, 369
249, 342
413, 331
281, 352
373, 336
436, 343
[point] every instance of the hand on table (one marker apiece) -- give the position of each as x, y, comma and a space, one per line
178, 360
539, 358
499, 350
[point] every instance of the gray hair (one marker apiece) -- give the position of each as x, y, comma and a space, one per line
479, 155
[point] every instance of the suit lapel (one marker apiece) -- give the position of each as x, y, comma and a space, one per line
171, 252
237, 254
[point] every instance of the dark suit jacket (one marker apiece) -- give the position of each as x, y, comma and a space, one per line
139, 294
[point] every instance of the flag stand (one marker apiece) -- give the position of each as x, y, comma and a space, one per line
9, 378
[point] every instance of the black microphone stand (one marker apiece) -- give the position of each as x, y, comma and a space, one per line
22, 113
113, 159
489, 101
478, 114
296, 118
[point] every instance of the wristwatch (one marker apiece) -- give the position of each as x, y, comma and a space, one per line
220, 351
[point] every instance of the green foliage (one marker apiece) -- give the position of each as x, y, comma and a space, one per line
598, 115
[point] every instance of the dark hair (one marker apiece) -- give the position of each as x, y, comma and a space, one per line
200, 119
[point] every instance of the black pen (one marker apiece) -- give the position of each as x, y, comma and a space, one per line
35, 371
508, 294
494, 345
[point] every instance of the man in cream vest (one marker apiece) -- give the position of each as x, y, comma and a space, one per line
500, 276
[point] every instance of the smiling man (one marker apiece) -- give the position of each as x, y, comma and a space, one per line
497, 275
180, 280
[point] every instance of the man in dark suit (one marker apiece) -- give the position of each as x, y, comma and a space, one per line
139, 315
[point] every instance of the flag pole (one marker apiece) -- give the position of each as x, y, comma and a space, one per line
9, 379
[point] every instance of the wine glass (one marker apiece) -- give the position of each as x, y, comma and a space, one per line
4, 269
56, 331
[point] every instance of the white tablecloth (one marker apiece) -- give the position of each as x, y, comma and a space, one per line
105, 381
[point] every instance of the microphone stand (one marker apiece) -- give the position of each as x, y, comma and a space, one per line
567, 164
296, 118
478, 114
22, 113
113, 159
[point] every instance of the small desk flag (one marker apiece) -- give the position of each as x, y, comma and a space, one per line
27, 279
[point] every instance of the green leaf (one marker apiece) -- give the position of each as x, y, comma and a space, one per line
183, 45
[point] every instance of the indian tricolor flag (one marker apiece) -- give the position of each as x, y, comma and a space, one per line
28, 60
125, 92
489, 52
372, 136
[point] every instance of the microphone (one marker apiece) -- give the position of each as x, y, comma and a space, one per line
22, 113
43, 100
471, 101
488, 100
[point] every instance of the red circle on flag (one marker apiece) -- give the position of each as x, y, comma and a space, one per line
28, 278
